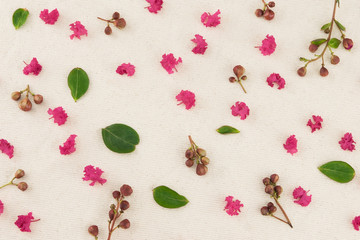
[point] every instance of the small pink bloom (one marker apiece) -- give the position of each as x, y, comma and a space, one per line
1, 207
49, 18
93, 174
169, 62
34, 67
23, 222
356, 223
268, 45
210, 20
317, 123
276, 78
58, 114
187, 98
126, 68
240, 109
232, 207
155, 5
201, 45
69, 145
291, 145
78, 30
7, 148
347, 142
301, 195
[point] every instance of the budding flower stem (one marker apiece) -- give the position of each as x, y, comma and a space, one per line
239, 80
194, 147
10, 183
109, 21
265, 4
283, 211
279, 219
117, 215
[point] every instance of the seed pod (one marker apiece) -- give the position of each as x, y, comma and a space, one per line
205, 160
269, 14
116, 194
93, 230
124, 224
272, 209
120, 23
112, 206
189, 162
274, 178
313, 48
108, 30
271, 4
126, 190
38, 98
327, 30
323, 71
19, 173
238, 71
269, 189
348, 43
232, 79
201, 152
124, 205
189, 153
116, 15
22, 186
15, 96
25, 104
278, 190
259, 12
201, 169
334, 59
270, 204
266, 181
301, 71
264, 211
111, 214
244, 77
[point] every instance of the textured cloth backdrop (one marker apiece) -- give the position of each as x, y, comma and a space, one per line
67, 206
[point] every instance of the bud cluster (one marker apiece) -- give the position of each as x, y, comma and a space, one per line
25, 104
239, 72
116, 20
198, 155
21, 185
266, 12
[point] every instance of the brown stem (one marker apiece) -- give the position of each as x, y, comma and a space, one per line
239, 81
117, 215
283, 211
279, 219
102, 19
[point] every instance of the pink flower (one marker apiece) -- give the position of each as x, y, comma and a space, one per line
347, 142
34, 67
93, 174
356, 223
315, 126
69, 145
58, 114
268, 45
187, 98
78, 30
201, 45
240, 109
124, 68
291, 145
1, 207
169, 62
301, 195
155, 5
49, 18
232, 207
276, 78
210, 20
7, 148
23, 222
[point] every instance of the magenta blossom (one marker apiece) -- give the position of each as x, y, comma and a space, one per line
93, 174
201, 45
347, 142
240, 109
7, 148
23, 222
126, 68
169, 62
187, 98
155, 5
78, 29
301, 195
291, 145
49, 18
232, 207
69, 145
211, 20
268, 45
34, 67
276, 78
317, 123
58, 114
356, 223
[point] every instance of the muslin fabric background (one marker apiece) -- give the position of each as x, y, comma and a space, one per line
67, 205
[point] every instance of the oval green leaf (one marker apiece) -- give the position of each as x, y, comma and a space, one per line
325, 26
19, 17
120, 138
319, 41
340, 26
78, 82
334, 43
338, 171
168, 198
227, 130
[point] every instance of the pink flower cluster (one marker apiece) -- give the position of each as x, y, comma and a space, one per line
276, 78
211, 20
201, 45
69, 145
232, 207
78, 29
301, 195
34, 67
1, 207
155, 5
268, 45
49, 18
317, 123
58, 114
23, 222
7, 148
356, 223
240, 109
93, 174
291, 145
187, 98
347, 142
169, 62
126, 68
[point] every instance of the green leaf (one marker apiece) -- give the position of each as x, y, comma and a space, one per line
340, 26
168, 198
338, 2
227, 129
325, 26
19, 17
304, 59
334, 43
120, 138
318, 42
78, 82
338, 171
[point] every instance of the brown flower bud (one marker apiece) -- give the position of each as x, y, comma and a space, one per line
201, 169
38, 98
313, 48
259, 12
323, 71
25, 104
15, 96
201, 152
22, 186
238, 71
272, 209
244, 77
120, 23
111, 214
19, 173
124, 205
327, 30
301, 71
269, 14
108, 30
232, 79
270, 204
274, 178
348, 43
271, 4
264, 211
334, 59
278, 190
126, 190
93, 230
269, 189
116, 15
189, 163
205, 160
116, 194
124, 224
266, 181
189, 153
112, 206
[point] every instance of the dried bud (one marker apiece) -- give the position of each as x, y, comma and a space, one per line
269, 189
201, 169
269, 14
266, 181
22, 186
334, 59
272, 209
259, 12
116, 15
313, 48
238, 71
124, 224
270, 204
124, 205
189, 163
271, 4
264, 211
93, 230
348, 43
323, 71
327, 30
189, 153
112, 206
111, 214
201, 152
108, 30
16, 96
278, 190
244, 77
205, 160
19, 173
301, 71
232, 79
38, 98
274, 178
126, 190
116, 194
120, 23
25, 104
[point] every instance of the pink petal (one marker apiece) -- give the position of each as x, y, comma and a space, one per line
93, 174
201, 45
69, 145
155, 5
124, 68
187, 98
291, 144
356, 223
34, 67
268, 45
58, 114
232, 207
1, 207
78, 29
7, 148
276, 78
240, 109
210, 20
317, 123
49, 18
347, 142
301, 195
169, 62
